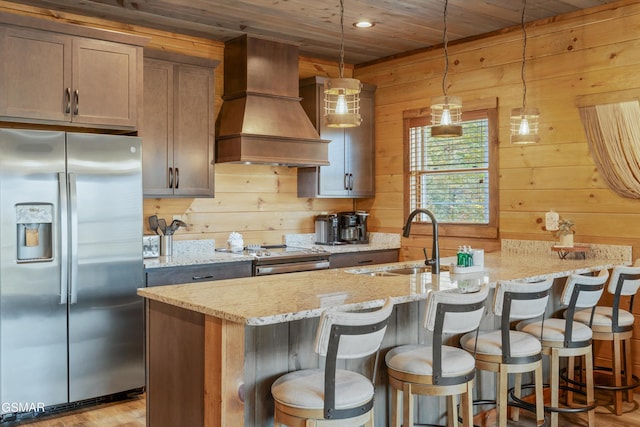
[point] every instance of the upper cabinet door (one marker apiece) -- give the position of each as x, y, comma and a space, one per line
157, 142
104, 83
178, 129
361, 150
52, 78
35, 74
194, 131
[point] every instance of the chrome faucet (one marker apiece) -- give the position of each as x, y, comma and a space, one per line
434, 262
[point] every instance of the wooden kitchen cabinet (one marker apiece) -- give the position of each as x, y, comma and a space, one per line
363, 258
198, 273
49, 77
351, 171
178, 135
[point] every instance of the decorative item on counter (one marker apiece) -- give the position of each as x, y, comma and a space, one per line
235, 243
565, 232
551, 220
467, 261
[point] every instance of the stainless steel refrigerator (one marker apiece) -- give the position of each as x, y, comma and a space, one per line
71, 324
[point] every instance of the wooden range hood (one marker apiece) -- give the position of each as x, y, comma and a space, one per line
261, 120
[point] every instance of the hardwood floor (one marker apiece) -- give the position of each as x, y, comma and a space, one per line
131, 413
125, 413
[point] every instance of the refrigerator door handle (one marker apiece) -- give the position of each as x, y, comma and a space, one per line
73, 237
64, 244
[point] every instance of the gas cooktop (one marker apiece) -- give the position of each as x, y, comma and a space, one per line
280, 251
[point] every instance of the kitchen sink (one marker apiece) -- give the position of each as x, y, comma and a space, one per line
378, 273
410, 270
400, 271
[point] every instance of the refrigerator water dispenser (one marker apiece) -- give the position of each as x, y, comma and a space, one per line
34, 228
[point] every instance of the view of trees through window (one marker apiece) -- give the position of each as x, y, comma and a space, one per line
450, 176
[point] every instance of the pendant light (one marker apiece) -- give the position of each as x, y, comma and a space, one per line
342, 95
524, 121
446, 111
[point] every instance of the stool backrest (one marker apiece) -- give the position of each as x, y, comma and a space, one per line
514, 300
625, 281
454, 313
587, 295
526, 300
450, 312
580, 292
355, 334
349, 335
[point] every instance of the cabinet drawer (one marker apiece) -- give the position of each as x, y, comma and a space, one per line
355, 259
198, 273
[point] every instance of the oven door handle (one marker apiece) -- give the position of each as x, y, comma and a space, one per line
291, 267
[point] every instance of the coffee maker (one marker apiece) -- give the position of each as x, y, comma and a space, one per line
353, 227
327, 230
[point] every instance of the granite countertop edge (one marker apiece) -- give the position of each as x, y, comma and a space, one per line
309, 293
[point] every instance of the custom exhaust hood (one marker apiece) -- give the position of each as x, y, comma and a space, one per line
261, 120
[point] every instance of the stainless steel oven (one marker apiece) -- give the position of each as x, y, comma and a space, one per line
279, 259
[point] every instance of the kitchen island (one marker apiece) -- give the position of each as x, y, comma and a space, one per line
215, 348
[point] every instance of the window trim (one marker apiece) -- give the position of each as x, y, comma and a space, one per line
422, 117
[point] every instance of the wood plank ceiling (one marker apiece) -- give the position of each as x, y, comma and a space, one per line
400, 25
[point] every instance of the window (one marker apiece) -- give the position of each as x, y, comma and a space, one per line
455, 178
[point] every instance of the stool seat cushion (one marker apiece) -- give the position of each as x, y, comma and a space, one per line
490, 343
603, 317
553, 330
305, 389
417, 360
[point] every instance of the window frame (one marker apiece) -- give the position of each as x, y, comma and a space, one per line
422, 117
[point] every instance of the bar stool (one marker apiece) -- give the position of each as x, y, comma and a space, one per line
332, 396
505, 351
567, 338
419, 369
615, 324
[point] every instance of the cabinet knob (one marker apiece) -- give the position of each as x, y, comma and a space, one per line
170, 177
177, 178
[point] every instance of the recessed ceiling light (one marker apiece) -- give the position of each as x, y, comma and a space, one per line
364, 24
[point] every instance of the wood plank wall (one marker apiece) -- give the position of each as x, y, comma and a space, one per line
585, 53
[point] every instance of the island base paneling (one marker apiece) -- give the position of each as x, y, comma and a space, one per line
205, 371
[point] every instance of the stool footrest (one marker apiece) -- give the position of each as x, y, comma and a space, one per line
560, 409
635, 383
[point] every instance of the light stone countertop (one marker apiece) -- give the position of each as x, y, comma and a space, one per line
282, 298
195, 252
377, 241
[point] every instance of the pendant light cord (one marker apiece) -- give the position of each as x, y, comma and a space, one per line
524, 56
445, 41
341, 68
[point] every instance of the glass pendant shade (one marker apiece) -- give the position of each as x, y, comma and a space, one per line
342, 102
446, 116
524, 125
